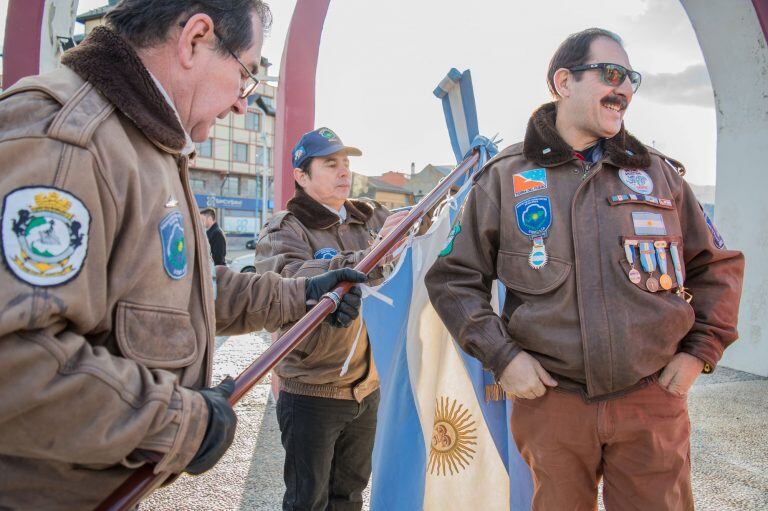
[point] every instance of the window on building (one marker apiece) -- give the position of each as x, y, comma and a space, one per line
268, 101
260, 155
205, 149
252, 121
231, 186
198, 185
240, 152
269, 156
248, 186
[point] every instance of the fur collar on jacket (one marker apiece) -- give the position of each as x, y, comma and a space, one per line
108, 62
544, 146
316, 216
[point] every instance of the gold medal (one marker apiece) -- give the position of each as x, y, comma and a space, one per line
652, 284
665, 281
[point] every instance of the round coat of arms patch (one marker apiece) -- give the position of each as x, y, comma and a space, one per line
45, 235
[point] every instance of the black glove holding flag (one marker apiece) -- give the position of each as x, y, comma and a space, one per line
221, 427
349, 307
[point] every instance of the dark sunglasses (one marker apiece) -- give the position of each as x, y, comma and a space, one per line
612, 74
251, 82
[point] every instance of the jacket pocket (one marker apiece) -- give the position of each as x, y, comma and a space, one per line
515, 273
156, 336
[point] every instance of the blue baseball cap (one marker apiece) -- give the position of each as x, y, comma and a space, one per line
320, 142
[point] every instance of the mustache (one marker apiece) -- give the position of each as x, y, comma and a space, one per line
613, 99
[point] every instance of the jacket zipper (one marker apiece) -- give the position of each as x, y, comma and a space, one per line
585, 178
200, 271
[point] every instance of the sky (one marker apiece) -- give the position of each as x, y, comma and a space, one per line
380, 61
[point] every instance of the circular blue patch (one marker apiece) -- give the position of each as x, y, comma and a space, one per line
325, 253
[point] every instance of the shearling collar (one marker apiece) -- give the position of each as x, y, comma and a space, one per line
108, 62
316, 216
544, 146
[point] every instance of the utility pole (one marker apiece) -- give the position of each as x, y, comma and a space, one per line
264, 176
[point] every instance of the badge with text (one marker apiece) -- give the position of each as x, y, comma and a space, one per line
45, 235
636, 180
174, 245
529, 181
648, 224
534, 218
648, 262
326, 253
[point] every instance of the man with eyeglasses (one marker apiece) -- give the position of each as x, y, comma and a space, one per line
619, 291
109, 301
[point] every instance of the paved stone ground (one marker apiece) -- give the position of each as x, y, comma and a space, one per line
729, 445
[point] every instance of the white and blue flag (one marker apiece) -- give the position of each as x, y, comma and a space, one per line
443, 440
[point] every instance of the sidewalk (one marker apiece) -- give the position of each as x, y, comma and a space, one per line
729, 446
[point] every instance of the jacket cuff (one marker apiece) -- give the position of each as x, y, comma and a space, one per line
293, 299
501, 359
703, 348
181, 438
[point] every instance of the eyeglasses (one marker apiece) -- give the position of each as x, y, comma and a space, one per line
251, 82
612, 74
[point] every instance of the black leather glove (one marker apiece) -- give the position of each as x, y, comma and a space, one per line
221, 427
349, 307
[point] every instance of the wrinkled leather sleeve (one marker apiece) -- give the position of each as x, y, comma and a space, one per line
247, 302
714, 277
459, 284
61, 397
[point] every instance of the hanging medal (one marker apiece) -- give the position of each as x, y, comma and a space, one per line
674, 251
629, 252
665, 281
648, 262
538, 257
534, 218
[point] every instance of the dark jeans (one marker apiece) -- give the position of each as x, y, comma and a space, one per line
328, 446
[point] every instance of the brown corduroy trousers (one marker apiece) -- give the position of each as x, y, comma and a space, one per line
638, 443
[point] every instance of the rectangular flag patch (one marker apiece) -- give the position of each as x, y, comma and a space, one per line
648, 224
529, 181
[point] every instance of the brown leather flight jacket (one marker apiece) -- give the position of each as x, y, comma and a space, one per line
97, 365
305, 240
580, 315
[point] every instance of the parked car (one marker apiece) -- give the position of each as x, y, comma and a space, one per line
251, 244
243, 264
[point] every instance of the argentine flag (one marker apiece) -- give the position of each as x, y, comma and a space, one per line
443, 439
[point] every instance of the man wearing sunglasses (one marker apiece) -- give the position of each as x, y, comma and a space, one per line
619, 291
109, 301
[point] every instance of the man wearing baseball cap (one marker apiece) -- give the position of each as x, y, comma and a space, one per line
329, 388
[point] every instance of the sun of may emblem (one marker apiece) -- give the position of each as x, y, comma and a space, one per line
45, 235
452, 438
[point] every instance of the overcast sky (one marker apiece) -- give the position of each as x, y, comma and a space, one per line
380, 61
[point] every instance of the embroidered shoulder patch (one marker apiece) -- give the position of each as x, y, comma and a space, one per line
45, 235
174, 245
326, 253
717, 239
